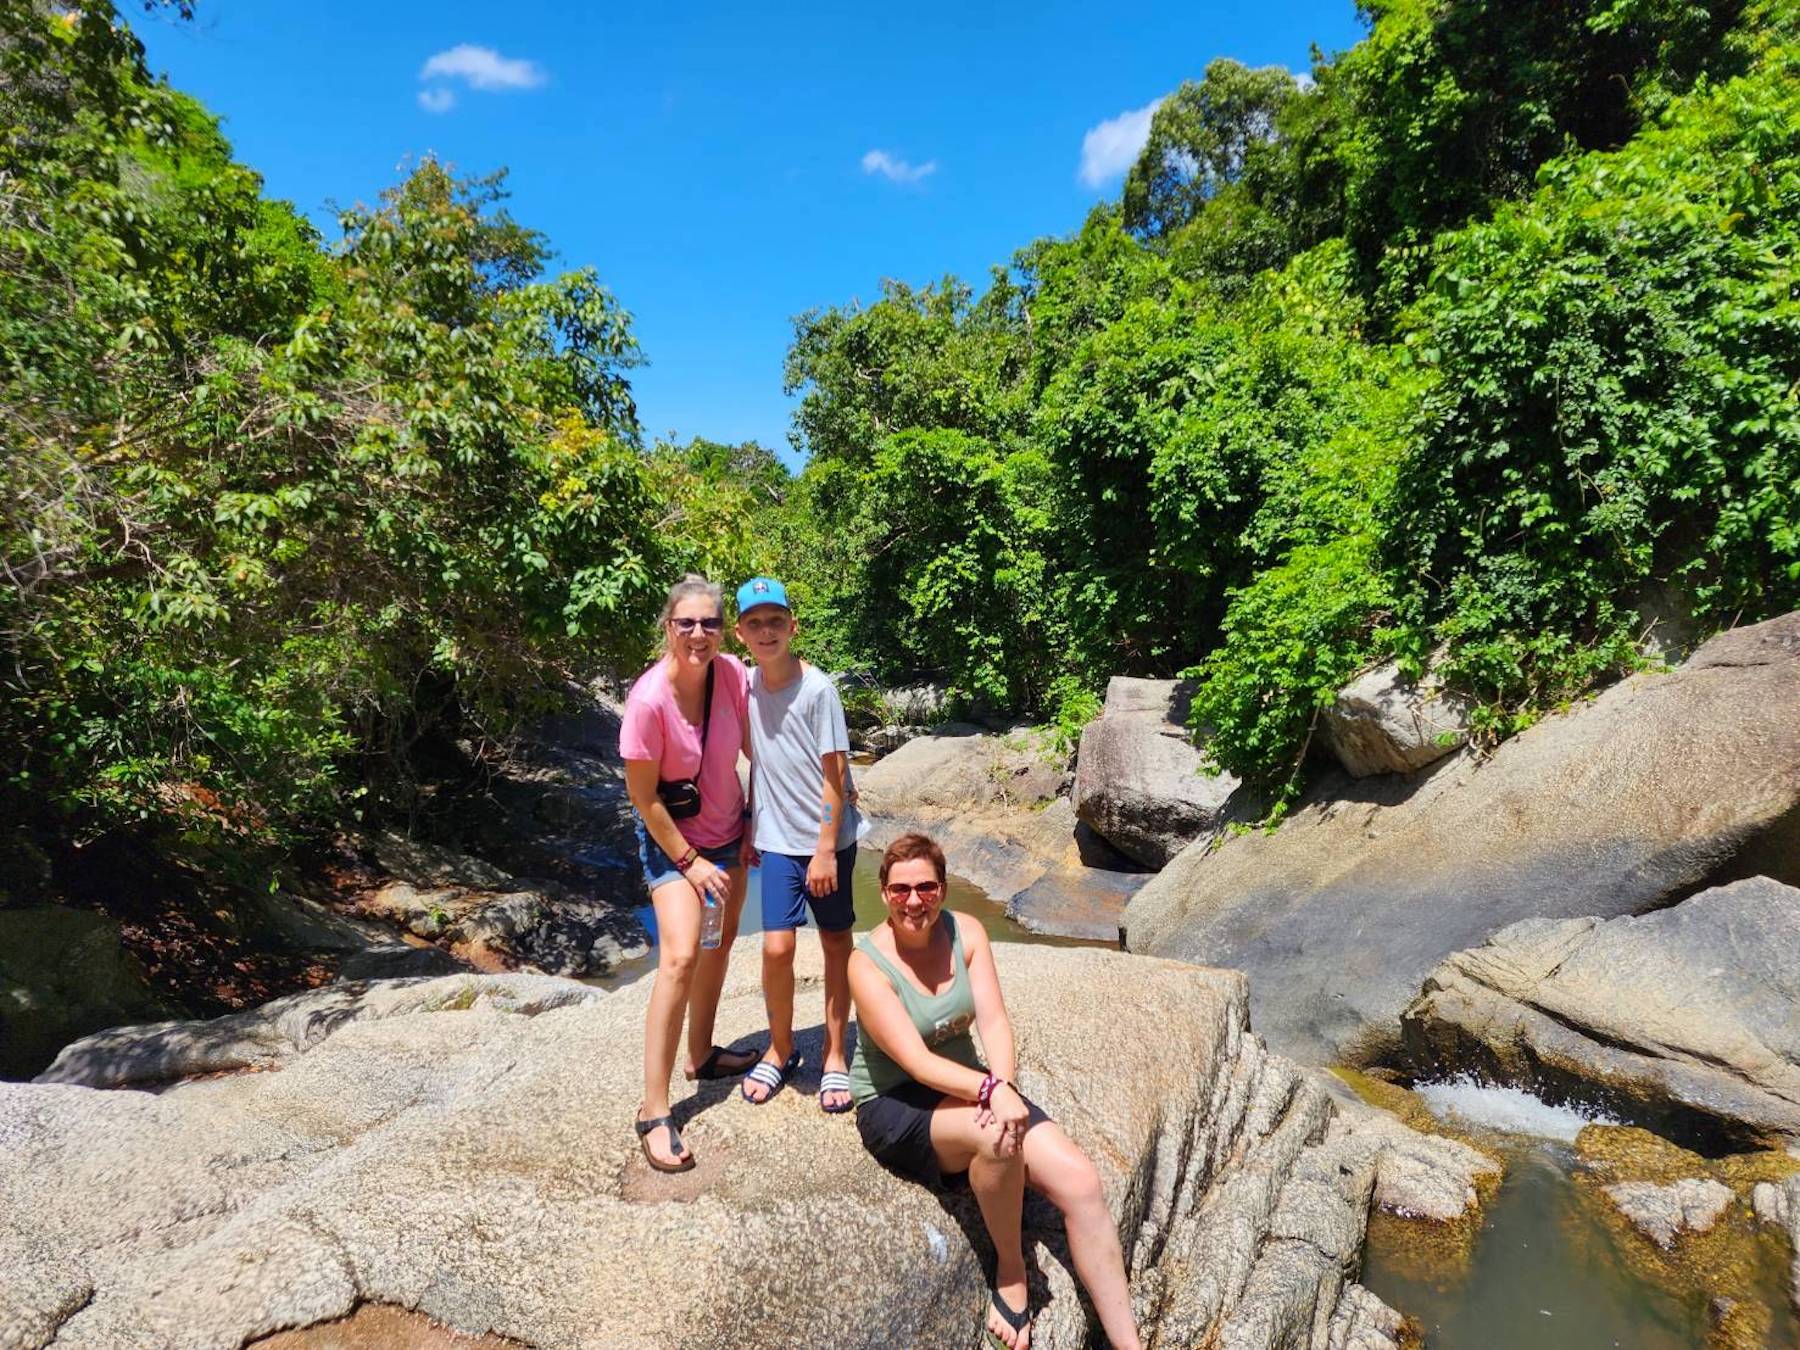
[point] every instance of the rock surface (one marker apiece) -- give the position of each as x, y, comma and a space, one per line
1660, 785
460, 1148
1688, 1018
493, 921
1382, 722
997, 803
1139, 780
1664, 1212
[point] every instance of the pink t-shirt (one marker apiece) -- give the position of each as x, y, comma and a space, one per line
654, 729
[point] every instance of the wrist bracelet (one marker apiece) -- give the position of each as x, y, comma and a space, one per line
686, 860
985, 1094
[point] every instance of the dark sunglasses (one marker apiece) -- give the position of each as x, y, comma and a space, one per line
901, 890
689, 626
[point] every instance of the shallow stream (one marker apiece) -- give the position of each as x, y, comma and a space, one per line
1546, 1271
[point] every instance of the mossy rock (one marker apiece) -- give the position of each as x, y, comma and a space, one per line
1737, 1266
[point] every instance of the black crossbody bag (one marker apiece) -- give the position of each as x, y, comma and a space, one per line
682, 797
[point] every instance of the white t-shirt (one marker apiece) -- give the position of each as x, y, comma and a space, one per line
790, 729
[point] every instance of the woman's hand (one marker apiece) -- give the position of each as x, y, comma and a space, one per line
748, 857
708, 878
1010, 1114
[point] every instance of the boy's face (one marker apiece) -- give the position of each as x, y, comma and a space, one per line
768, 631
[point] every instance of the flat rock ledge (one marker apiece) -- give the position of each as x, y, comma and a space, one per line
461, 1148
1687, 1018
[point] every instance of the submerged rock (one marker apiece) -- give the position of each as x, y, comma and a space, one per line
1140, 782
1623, 805
461, 1148
1688, 1018
1664, 1212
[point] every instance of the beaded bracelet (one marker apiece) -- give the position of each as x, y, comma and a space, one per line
985, 1094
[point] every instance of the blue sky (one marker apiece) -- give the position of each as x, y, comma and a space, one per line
725, 167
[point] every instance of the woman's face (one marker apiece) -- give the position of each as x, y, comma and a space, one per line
913, 895
694, 630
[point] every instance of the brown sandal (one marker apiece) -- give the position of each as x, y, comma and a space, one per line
676, 1147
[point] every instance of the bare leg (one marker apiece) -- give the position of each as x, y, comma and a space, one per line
999, 1185
778, 996
678, 943
709, 977
837, 1007
1058, 1168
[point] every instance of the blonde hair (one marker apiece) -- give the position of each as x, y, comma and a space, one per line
691, 585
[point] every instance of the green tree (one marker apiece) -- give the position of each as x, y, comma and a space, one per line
1202, 139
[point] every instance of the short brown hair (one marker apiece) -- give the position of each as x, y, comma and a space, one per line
910, 848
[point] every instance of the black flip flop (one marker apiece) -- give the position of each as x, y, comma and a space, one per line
676, 1147
710, 1067
1018, 1321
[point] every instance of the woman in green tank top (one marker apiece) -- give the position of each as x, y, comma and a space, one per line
926, 1105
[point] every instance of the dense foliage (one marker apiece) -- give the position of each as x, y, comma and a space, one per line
271, 511
1461, 350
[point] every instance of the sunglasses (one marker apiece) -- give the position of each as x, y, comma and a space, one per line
687, 627
901, 890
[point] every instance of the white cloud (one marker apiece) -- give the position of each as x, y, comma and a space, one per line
1303, 81
1109, 149
897, 170
483, 68
437, 100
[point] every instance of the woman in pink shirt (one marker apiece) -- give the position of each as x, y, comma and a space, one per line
693, 844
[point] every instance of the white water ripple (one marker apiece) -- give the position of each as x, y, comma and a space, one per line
1508, 1109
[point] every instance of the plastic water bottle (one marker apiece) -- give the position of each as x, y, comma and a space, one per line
712, 920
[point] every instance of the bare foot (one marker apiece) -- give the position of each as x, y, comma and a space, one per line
719, 1063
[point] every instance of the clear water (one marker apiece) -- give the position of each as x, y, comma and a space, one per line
1545, 1273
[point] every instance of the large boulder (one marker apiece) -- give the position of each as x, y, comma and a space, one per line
1382, 722
1688, 1018
462, 1148
998, 803
1660, 785
63, 973
1140, 783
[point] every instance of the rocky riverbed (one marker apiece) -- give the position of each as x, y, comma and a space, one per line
461, 1147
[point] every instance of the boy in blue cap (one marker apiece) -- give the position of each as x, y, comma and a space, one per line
805, 828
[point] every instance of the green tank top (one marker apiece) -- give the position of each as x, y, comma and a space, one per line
942, 1020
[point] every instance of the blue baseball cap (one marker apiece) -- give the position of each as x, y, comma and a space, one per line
761, 591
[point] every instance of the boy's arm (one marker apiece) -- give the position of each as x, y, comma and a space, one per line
821, 872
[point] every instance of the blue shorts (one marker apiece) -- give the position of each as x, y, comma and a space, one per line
659, 867
784, 895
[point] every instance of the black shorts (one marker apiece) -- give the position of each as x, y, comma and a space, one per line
896, 1128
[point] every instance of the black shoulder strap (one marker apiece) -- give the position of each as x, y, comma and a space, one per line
706, 713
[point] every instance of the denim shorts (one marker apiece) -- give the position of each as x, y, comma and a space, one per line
785, 897
659, 867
